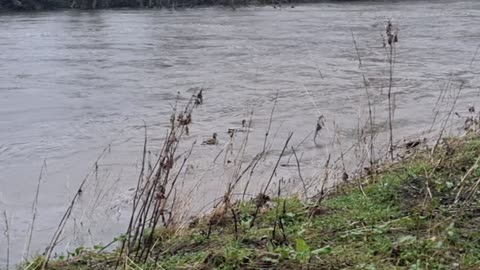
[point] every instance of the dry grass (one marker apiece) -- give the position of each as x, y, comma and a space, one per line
419, 213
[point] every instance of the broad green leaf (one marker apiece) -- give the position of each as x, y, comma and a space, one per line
301, 245
270, 247
322, 251
78, 250
290, 215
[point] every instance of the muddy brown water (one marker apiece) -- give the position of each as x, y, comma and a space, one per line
72, 82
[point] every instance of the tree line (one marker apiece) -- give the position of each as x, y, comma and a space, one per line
102, 4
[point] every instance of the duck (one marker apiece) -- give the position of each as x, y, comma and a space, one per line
412, 144
199, 98
392, 36
469, 123
319, 126
211, 141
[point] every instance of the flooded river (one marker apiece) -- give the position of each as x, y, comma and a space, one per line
73, 82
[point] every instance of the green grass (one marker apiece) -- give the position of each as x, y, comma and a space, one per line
407, 219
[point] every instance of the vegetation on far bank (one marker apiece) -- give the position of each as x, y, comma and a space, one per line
104, 4
420, 213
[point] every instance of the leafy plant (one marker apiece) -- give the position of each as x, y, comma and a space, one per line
303, 252
236, 256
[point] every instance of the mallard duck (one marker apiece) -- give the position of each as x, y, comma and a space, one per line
469, 123
199, 98
392, 35
211, 141
412, 144
320, 125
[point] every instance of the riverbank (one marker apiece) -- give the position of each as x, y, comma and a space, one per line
33, 5
419, 213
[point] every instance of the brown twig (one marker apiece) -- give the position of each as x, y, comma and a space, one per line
442, 130
278, 162
300, 174
68, 212
7, 235
370, 114
390, 106
271, 177
34, 212
270, 120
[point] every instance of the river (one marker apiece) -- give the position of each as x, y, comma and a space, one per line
73, 82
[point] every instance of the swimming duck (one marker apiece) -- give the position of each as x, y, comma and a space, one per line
320, 125
211, 141
469, 123
392, 36
412, 144
199, 98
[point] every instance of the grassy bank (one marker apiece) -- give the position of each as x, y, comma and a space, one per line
420, 213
